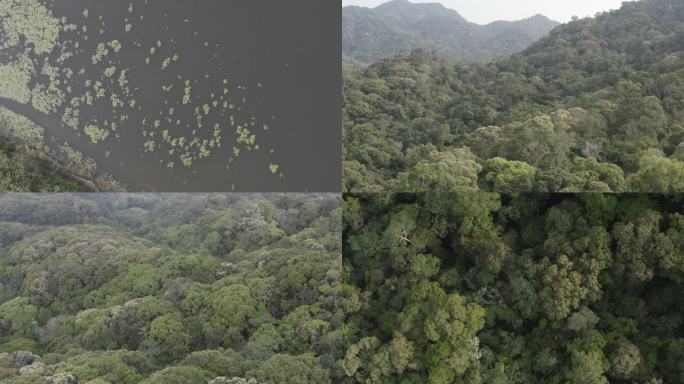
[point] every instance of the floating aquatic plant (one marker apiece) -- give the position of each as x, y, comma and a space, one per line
109, 72
187, 91
150, 146
14, 84
46, 100
20, 127
115, 45
33, 21
100, 53
70, 118
96, 134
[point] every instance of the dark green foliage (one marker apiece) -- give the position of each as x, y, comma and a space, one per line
20, 172
598, 105
474, 287
183, 288
369, 35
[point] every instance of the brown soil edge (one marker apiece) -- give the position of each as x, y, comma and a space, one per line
84, 182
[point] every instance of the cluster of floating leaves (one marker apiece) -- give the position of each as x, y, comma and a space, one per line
14, 83
33, 21
17, 126
189, 127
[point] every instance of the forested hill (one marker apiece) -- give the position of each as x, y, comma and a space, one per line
598, 105
163, 289
369, 35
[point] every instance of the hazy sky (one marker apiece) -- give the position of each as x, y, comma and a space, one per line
485, 11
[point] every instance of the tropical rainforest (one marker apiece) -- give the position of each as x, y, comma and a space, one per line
153, 288
480, 287
597, 105
371, 34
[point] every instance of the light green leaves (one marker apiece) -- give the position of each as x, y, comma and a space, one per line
96, 134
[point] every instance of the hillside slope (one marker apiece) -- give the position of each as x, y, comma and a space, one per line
159, 289
598, 105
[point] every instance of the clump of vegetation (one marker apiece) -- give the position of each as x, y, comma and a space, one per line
14, 84
46, 100
19, 127
187, 92
96, 134
115, 45
31, 20
100, 53
75, 162
21, 171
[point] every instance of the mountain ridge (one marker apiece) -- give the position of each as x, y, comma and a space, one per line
371, 34
418, 11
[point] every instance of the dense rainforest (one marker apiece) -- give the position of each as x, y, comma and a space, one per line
153, 288
480, 287
598, 105
371, 34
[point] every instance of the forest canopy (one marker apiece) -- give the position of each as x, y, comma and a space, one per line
153, 288
598, 105
478, 287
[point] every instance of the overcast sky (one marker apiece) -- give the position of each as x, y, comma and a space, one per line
485, 11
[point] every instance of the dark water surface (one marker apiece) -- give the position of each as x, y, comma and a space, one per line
286, 55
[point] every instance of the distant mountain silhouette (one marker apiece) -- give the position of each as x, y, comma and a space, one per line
371, 34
